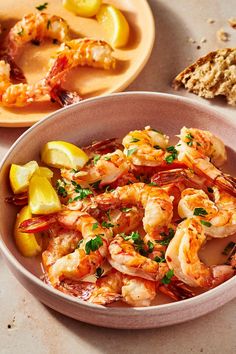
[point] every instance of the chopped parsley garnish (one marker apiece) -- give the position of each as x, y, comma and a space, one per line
95, 226
82, 192
134, 140
200, 212
150, 246
125, 210
107, 224
167, 278
60, 187
157, 147
205, 223
174, 153
152, 184
42, 7
160, 259
21, 32
131, 151
139, 244
107, 158
210, 190
190, 138
96, 158
99, 272
93, 244
229, 248
167, 237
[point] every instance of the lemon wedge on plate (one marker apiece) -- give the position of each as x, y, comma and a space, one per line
29, 245
85, 8
43, 198
114, 24
20, 176
62, 154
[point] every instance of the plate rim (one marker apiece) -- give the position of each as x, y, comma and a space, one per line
204, 297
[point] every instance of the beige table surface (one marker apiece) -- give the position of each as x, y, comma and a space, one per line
39, 330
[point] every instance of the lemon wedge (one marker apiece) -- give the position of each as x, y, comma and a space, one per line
62, 154
114, 24
29, 245
85, 8
43, 198
20, 176
44, 172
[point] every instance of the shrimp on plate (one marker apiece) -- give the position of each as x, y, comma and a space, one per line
19, 95
117, 286
203, 152
182, 256
89, 254
36, 27
156, 203
218, 217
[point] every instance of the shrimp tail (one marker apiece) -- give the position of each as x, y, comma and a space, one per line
16, 73
64, 97
18, 199
37, 224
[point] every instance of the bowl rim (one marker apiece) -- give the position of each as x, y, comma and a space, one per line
113, 311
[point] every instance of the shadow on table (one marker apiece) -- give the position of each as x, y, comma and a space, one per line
192, 337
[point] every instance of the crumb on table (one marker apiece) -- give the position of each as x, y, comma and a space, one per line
222, 35
232, 22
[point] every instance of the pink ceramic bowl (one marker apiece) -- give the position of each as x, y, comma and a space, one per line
100, 118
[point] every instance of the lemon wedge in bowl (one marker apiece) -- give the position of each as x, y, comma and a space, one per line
85, 8
62, 154
29, 245
20, 176
43, 198
114, 24
44, 172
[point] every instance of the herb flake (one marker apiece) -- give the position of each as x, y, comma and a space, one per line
200, 212
42, 6
93, 244
205, 223
167, 278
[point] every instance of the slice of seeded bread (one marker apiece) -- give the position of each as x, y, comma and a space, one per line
211, 75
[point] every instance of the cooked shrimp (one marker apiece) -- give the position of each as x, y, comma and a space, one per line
104, 169
124, 257
218, 217
63, 243
157, 204
80, 52
36, 27
19, 95
90, 253
182, 256
202, 151
117, 286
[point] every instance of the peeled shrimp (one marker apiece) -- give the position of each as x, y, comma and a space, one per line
202, 151
182, 256
80, 52
19, 95
36, 27
147, 147
80, 263
218, 217
157, 204
117, 286
124, 257
105, 169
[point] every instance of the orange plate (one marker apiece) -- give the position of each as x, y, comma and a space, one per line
87, 81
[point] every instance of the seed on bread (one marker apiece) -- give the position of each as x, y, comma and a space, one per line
211, 75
